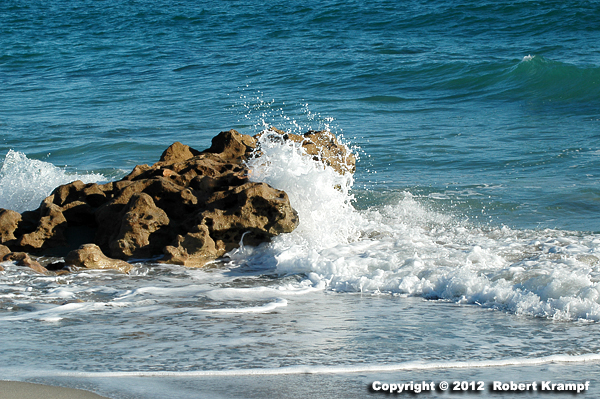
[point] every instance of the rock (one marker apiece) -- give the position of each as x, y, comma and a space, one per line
50, 229
23, 259
4, 250
90, 256
139, 234
322, 146
9, 221
178, 152
262, 209
194, 249
231, 145
190, 207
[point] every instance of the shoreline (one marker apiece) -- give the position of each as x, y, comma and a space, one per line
19, 389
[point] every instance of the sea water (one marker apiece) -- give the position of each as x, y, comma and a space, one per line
466, 246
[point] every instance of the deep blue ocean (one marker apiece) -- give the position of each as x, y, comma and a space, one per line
469, 233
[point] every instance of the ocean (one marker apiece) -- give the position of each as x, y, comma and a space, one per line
465, 249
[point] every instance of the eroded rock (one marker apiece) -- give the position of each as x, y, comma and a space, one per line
190, 207
139, 234
323, 146
194, 249
9, 221
23, 259
90, 256
4, 250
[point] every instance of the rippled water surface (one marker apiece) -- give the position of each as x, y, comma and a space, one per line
466, 245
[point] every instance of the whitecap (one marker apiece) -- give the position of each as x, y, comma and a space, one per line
25, 182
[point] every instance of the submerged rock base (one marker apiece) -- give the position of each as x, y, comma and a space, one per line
189, 208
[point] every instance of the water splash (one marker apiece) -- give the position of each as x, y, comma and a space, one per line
404, 248
25, 182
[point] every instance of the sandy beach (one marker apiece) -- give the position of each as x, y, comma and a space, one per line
19, 390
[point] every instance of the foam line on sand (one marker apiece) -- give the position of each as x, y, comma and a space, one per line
20, 390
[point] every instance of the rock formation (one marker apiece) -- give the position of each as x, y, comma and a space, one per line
23, 259
90, 256
189, 208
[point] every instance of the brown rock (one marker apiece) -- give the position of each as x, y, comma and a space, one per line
178, 152
323, 146
253, 208
9, 222
140, 220
50, 229
190, 206
94, 194
90, 256
4, 250
137, 171
194, 250
23, 259
67, 192
232, 145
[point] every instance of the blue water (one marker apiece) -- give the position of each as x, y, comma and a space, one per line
477, 128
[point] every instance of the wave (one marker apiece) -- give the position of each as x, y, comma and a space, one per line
395, 246
25, 182
404, 248
307, 369
533, 78
269, 307
546, 79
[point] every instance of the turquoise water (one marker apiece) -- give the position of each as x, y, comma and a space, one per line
500, 98
476, 195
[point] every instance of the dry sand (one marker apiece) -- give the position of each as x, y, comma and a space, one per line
26, 390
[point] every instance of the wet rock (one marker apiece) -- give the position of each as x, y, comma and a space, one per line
23, 259
322, 146
90, 256
9, 221
141, 224
190, 207
4, 250
194, 249
49, 230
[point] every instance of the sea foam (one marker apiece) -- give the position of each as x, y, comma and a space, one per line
367, 368
399, 247
25, 182
404, 248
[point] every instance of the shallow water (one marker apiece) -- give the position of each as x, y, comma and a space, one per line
469, 232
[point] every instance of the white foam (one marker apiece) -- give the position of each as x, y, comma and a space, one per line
321, 196
269, 307
308, 369
257, 293
528, 57
56, 313
404, 248
25, 182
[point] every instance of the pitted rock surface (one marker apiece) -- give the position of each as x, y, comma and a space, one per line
188, 208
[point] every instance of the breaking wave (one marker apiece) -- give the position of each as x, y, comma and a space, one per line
404, 248
399, 246
25, 182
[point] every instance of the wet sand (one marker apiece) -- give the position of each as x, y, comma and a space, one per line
20, 390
